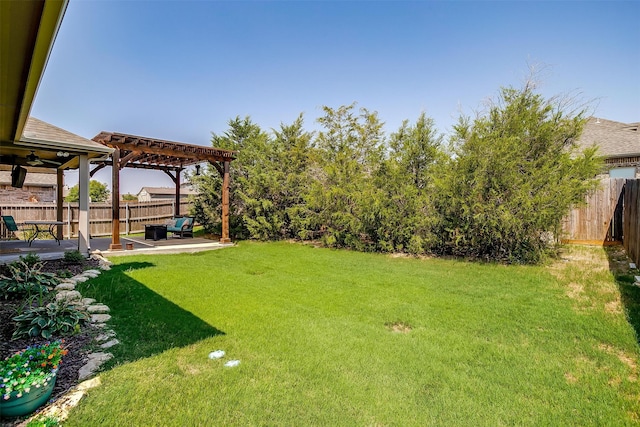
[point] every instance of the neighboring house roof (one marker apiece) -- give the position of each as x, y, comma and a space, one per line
31, 180
164, 191
613, 139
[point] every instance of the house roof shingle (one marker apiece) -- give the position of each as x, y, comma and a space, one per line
36, 129
613, 139
31, 180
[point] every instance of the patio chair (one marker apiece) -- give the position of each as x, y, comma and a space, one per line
12, 226
182, 226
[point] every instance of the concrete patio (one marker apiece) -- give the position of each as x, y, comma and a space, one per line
11, 250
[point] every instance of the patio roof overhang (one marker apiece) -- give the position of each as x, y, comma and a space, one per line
29, 29
54, 147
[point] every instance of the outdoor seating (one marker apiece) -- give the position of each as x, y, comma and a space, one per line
182, 225
12, 226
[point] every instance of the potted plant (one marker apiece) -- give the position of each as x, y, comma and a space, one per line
27, 378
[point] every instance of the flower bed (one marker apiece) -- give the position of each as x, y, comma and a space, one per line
76, 344
27, 378
31, 368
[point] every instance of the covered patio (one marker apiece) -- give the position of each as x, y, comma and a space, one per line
29, 31
43, 147
27, 144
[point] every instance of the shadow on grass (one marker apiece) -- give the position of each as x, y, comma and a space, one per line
146, 323
629, 293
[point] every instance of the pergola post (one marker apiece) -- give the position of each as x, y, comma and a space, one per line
225, 203
115, 201
177, 204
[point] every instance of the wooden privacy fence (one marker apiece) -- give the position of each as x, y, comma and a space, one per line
631, 219
133, 216
611, 214
600, 220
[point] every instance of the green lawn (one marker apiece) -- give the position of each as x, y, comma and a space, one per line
331, 337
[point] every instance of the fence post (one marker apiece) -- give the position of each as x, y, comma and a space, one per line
126, 215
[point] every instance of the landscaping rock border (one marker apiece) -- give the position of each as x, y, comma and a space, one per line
106, 339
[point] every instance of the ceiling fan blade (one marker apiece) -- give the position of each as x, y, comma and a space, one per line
33, 160
51, 162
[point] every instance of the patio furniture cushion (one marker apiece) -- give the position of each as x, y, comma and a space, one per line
182, 226
179, 223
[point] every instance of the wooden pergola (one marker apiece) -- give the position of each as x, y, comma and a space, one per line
172, 158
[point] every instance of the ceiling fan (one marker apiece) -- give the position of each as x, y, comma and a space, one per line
34, 160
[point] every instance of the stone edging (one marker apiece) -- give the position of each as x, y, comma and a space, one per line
99, 315
65, 291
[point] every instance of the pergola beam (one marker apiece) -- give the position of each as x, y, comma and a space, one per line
129, 157
105, 163
96, 169
195, 153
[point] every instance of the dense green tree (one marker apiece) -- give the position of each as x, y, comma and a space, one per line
515, 174
274, 196
349, 152
269, 179
207, 203
498, 192
250, 142
98, 192
406, 216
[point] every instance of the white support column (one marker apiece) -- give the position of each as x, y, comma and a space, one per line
69, 229
84, 246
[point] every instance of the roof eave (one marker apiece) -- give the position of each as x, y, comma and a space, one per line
22, 81
94, 151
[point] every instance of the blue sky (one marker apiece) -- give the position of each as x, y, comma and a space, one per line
180, 70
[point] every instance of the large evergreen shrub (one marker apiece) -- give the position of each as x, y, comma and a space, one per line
515, 174
498, 193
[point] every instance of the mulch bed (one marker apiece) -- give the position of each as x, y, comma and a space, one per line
77, 344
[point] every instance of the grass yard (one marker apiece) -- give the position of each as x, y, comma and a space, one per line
331, 337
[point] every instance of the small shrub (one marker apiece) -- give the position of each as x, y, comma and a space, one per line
64, 274
26, 280
73, 257
55, 318
31, 259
